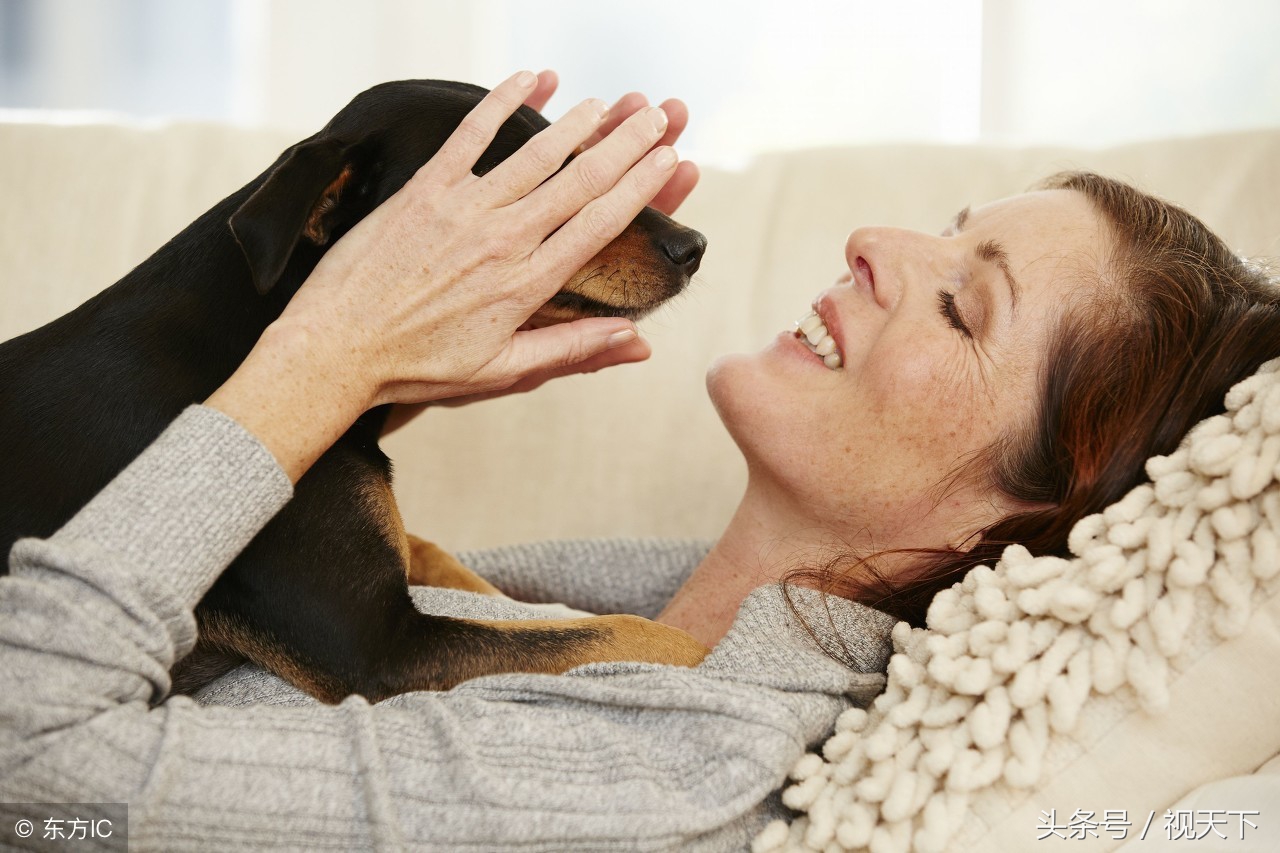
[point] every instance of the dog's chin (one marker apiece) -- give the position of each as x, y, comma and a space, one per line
566, 307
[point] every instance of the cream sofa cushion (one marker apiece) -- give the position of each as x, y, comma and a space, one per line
1257, 792
636, 450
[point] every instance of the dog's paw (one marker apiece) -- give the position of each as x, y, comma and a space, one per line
639, 639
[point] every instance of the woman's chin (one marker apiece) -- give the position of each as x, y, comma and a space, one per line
729, 376
723, 375
748, 393
767, 374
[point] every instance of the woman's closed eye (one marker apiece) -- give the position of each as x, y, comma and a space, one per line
947, 307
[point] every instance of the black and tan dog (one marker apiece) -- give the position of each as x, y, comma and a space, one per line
320, 596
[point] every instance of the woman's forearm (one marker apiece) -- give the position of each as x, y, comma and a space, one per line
92, 619
295, 394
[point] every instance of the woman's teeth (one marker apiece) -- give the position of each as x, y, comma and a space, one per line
810, 330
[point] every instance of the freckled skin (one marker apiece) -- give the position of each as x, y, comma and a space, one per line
915, 397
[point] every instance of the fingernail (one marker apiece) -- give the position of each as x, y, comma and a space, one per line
526, 79
659, 119
601, 108
665, 158
617, 339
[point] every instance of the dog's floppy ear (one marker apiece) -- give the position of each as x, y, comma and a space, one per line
293, 202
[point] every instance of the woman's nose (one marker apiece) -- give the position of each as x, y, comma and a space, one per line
888, 259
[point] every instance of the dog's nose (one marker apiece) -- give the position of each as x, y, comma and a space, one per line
684, 248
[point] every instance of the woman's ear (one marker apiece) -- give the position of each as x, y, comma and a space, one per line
297, 200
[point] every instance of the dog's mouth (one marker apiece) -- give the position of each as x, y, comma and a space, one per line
566, 306
651, 261
585, 306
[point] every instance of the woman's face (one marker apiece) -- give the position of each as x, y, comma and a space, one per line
940, 340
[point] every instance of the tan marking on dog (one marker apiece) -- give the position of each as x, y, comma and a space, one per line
619, 276
203, 665
619, 637
380, 500
431, 565
639, 639
316, 229
553, 646
232, 635
549, 646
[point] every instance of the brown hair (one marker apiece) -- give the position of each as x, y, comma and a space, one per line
1126, 376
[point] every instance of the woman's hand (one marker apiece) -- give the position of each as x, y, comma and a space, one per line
427, 291
422, 299
669, 198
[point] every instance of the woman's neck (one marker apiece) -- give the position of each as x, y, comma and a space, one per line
761, 544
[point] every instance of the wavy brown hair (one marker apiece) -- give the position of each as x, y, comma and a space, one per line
1181, 319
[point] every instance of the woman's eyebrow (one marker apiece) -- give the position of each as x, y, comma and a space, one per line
993, 253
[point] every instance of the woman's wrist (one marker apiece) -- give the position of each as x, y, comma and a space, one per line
297, 393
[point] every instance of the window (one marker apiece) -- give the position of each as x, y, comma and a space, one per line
756, 74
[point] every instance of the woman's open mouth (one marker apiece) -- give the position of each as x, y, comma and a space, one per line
813, 333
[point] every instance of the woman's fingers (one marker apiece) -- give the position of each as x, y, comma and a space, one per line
548, 82
677, 120
629, 351
551, 147
472, 136
604, 218
682, 182
540, 157
581, 346
483, 251
594, 172
622, 109
670, 197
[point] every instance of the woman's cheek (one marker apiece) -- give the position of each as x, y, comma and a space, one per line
912, 373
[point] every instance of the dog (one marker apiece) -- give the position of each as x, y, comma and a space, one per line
321, 595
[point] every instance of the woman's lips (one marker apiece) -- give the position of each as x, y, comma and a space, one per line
822, 331
813, 332
795, 343
825, 308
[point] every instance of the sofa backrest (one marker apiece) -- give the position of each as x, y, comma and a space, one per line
636, 450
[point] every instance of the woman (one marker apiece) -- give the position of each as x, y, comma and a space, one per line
949, 426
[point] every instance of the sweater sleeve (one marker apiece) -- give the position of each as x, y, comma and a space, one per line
617, 756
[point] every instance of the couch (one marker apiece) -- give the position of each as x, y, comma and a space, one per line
636, 450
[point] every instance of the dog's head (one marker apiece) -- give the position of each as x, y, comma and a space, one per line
325, 184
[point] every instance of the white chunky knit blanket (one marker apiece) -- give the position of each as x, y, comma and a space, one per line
1017, 655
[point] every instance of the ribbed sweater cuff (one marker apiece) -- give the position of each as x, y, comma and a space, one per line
181, 512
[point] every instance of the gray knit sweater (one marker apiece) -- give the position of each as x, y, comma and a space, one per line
607, 757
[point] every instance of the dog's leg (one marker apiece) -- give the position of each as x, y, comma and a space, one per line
437, 653
409, 651
319, 598
431, 565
